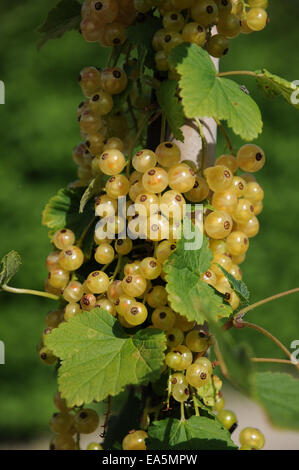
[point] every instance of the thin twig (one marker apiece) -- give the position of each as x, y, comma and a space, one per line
225, 135
15, 290
203, 143
239, 72
264, 301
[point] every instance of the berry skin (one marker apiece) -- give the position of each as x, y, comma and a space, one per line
168, 154
237, 243
205, 362
219, 177
183, 324
171, 39
172, 204
46, 356
226, 201
194, 33
251, 158
86, 421
243, 211
218, 225
144, 203
197, 341
71, 259
186, 356
71, 310
90, 80
174, 337
73, 291
114, 80
88, 302
229, 161
200, 190
123, 304
52, 260
61, 423
136, 314
258, 4
205, 12
155, 180
97, 282
173, 21
105, 207
181, 178
63, 442
164, 250
63, 239
250, 228
117, 186
228, 419
156, 297
178, 378
101, 102
134, 286
256, 19
229, 26
150, 268
239, 186
252, 438
105, 10
107, 305
58, 278
54, 318
254, 192
112, 162
104, 254
161, 60
197, 375
94, 446
180, 392
219, 404
218, 46
135, 441
123, 247
144, 160
115, 34
173, 360
163, 318
60, 403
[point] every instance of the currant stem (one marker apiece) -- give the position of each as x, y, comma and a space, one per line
264, 301
195, 403
182, 411
272, 360
239, 72
15, 290
117, 268
225, 135
138, 135
218, 354
203, 143
163, 128
270, 336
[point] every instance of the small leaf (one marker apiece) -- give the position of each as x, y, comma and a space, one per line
99, 358
10, 265
186, 292
278, 394
196, 433
273, 85
238, 286
94, 188
172, 107
62, 211
142, 33
62, 18
205, 94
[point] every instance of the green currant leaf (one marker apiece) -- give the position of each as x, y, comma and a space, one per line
172, 107
142, 33
62, 211
196, 433
205, 94
10, 265
186, 292
94, 188
273, 85
99, 358
62, 18
238, 286
278, 394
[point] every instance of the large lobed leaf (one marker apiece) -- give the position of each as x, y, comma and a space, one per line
196, 433
66, 16
205, 94
186, 292
279, 395
99, 358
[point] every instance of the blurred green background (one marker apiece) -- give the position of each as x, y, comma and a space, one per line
38, 132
